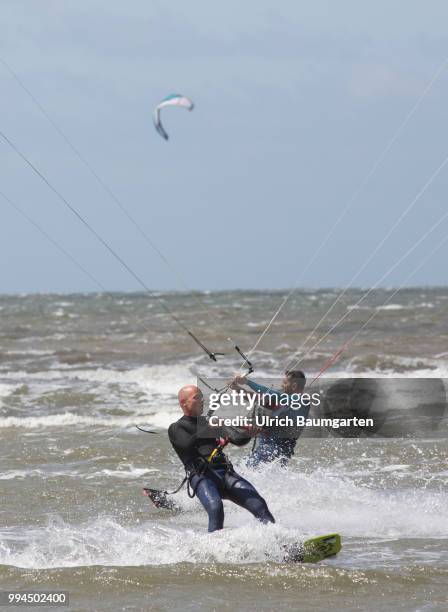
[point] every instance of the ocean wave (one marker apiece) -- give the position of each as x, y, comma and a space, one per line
8, 389
164, 379
303, 504
30, 352
21, 474
69, 419
129, 473
393, 366
391, 307
126, 472
358, 307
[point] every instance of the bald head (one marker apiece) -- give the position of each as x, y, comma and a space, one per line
191, 400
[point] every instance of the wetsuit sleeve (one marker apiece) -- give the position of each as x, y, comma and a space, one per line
280, 411
236, 437
285, 410
263, 389
260, 388
182, 439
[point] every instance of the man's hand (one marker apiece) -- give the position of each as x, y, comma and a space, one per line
252, 430
238, 380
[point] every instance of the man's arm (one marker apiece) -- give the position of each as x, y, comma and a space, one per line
260, 388
235, 436
181, 439
272, 401
280, 411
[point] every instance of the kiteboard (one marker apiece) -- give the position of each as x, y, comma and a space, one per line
160, 499
314, 550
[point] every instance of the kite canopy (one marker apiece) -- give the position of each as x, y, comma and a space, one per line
171, 100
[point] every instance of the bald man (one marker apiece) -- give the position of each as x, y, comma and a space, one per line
210, 474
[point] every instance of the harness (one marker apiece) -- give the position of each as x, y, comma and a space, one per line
202, 466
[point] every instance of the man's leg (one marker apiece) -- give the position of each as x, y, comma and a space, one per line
241, 492
208, 494
265, 452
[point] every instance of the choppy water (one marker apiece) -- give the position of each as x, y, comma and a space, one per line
78, 372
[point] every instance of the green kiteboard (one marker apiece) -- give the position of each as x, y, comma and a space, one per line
315, 549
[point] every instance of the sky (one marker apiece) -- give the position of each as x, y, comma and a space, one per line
295, 104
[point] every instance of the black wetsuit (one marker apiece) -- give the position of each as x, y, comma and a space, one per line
194, 441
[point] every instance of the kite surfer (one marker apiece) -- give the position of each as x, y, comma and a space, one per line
273, 442
211, 476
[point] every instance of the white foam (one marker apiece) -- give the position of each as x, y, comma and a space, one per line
357, 307
59, 312
391, 307
304, 504
162, 379
69, 419
6, 390
20, 474
327, 500
399, 367
29, 352
126, 472
106, 542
